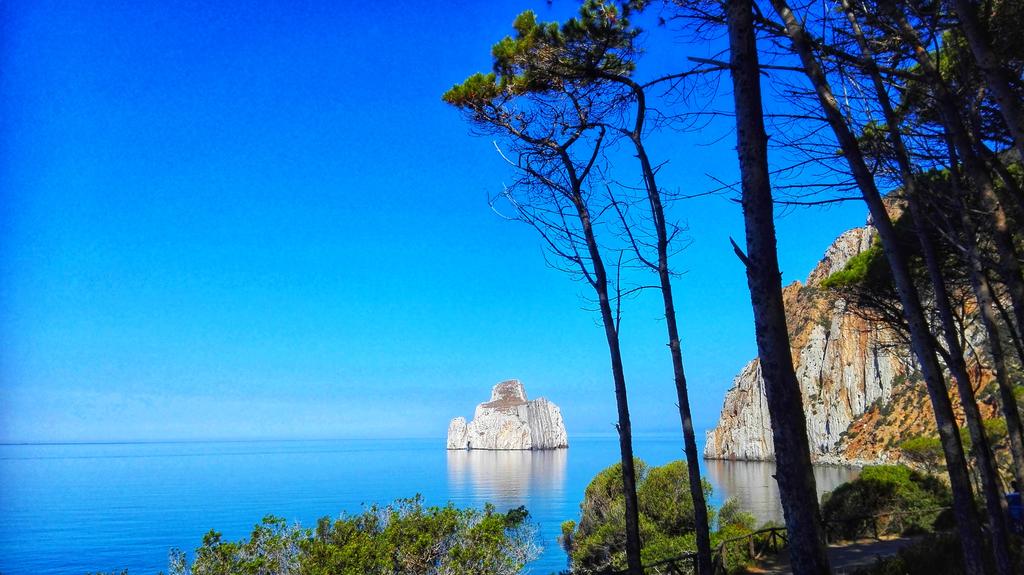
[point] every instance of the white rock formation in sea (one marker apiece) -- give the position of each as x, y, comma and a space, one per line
510, 421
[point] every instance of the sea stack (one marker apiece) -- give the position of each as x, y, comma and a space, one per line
510, 421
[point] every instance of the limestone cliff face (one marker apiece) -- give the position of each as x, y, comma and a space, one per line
510, 421
845, 366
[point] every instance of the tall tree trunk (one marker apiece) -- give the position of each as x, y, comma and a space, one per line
920, 333
600, 283
633, 561
981, 448
988, 305
789, 426
1008, 262
996, 220
635, 135
1011, 194
956, 364
986, 308
700, 509
1015, 338
995, 76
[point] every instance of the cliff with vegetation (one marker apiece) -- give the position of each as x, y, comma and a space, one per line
857, 378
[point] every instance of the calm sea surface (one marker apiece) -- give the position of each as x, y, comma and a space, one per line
79, 508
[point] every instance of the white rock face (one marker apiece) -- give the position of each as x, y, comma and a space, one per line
744, 430
457, 432
849, 244
510, 421
843, 364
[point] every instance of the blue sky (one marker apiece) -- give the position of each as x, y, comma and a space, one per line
258, 220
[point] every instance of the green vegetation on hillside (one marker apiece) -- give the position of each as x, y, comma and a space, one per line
667, 525
885, 499
404, 537
866, 267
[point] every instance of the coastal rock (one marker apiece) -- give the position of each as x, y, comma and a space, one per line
844, 363
458, 429
510, 421
859, 385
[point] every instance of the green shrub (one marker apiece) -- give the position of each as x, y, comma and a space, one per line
667, 524
867, 267
938, 554
664, 498
731, 515
925, 452
405, 537
884, 499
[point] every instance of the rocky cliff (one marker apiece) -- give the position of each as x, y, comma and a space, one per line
861, 392
510, 421
846, 367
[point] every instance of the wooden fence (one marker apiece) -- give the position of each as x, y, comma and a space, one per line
757, 544
879, 524
753, 545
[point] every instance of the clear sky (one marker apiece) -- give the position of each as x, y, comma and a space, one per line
230, 220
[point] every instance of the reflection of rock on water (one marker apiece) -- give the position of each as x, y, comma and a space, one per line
752, 485
506, 478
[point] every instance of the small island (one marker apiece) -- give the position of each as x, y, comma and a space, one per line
510, 421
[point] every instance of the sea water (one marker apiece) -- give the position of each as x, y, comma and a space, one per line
82, 508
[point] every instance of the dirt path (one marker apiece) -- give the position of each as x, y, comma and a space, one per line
845, 558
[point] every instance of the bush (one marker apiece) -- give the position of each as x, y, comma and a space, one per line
664, 499
405, 537
868, 267
731, 515
667, 525
884, 499
925, 452
933, 555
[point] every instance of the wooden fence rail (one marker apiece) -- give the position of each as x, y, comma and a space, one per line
773, 539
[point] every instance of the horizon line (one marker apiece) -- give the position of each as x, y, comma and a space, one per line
8, 443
